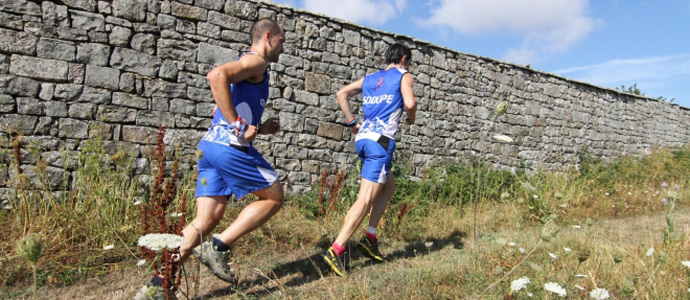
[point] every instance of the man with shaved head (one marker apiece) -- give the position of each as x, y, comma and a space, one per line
229, 164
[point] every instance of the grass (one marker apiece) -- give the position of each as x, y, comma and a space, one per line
426, 232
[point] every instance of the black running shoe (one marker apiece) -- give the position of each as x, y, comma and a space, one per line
370, 249
334, 261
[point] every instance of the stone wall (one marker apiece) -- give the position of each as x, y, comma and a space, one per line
76, 69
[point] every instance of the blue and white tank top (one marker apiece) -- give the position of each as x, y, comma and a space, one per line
249, 100
382, 104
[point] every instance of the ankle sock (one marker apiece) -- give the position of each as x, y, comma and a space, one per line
339, 250
218, 245
371, 237
371, 233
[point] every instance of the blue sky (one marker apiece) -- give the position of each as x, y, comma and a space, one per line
608, 43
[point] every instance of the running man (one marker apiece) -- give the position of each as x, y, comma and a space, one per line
230, 165
384, 95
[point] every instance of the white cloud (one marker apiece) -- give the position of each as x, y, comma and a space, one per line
545, 26
631, 70
371, 12
665, 76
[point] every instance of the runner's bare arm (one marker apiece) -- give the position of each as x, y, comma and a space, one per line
220, 78
346, 92
409, 99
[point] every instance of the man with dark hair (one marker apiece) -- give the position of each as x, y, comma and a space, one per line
384, 96
229, 164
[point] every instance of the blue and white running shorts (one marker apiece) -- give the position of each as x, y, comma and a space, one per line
377, 158
230, 170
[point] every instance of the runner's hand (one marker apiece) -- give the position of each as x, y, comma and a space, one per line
355, 129
250, 133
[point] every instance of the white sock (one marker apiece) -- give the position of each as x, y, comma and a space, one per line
371, 229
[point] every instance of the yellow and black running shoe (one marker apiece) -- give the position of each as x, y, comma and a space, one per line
370, 249
334, 261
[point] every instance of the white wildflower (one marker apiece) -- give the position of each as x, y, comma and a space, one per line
519, 284
650, 252
566, 249
530, 294
503, 138
553, 255
535, 197
580, 276
599, 294
522, 250
7, 207
686, 263
137, 202
512, 244
141, 262
159, 241
175, 215
428, 244
608, 194
109, 247
577, 227
555, 288
579, 287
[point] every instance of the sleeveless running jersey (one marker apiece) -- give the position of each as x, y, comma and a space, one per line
382, 104
249, 100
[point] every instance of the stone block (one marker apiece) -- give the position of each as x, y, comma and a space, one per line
162, 88
46, 92
22, 7
139, 134
130, 100
29, 106
118, 21
199, 95
211, 4
4, 63
67, 91
102, 77
56, 109
44, 69
93, 54
135, 61
81, 110
17, 42
116, 114
87, 21
94, 95
306, 98
155, 118
127, 82
105, 7
88, 5
18, 123
144, 42
182, 106
330, 130
55, 49
75, 74
186, 138
166, 22
177, 50
208, 30
133, 10
224, 20
119, 36
71, 128
55, 15
46, 126
215, 55
188, 11
168, 70
318, 83
19, 86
